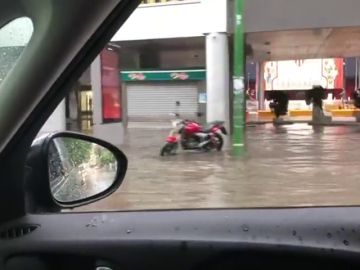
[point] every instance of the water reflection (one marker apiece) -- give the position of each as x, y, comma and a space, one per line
288, 165
79, 169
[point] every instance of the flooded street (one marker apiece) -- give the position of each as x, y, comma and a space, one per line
80, 183
293, 165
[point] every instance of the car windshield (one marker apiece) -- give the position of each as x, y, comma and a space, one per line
217, 104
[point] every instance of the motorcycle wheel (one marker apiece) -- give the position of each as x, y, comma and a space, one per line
168, 149
220, 142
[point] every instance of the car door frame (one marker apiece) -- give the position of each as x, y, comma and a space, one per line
27, 121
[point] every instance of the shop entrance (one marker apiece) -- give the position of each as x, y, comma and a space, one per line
79, 109
294, 62
86, 110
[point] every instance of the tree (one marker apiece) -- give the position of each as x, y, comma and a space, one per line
78, 150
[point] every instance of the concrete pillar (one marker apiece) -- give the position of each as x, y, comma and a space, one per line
95, 80
260, 85
56, 121
110, 132
357, 75
217, 78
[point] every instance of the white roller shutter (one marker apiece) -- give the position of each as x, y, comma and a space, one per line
154, 101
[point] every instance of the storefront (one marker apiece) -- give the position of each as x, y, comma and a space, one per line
79, 108
153, 95
105, 86
296, 76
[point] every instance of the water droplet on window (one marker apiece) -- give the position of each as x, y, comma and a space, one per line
328, 235
346, 242
13, 38
245, 228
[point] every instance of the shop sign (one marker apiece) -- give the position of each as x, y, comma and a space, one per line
137, 76
174, 75
303, 74
183, 76
202, 98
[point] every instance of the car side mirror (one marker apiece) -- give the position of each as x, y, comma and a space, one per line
70, 170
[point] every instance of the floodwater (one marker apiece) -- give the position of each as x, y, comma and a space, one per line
290, 165
81, 183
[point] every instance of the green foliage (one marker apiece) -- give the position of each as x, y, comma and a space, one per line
78, 150
83, 152
106, 157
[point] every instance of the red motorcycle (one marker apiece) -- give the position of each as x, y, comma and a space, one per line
192, 136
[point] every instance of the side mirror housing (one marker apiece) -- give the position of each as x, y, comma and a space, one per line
68, 170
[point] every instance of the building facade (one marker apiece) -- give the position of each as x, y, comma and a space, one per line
176, 56
156, 64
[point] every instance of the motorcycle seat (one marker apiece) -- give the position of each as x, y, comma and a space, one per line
216, 123
209, 125
207, 130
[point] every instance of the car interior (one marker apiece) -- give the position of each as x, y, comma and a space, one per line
37, 231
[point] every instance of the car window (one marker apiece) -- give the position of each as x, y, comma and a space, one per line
205, 127
14, 37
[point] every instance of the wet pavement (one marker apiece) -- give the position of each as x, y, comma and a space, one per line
292, 165
83, 182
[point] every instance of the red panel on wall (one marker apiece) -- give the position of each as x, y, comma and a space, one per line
339, 81
110, 86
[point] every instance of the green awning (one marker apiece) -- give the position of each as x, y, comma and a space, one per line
164, 75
